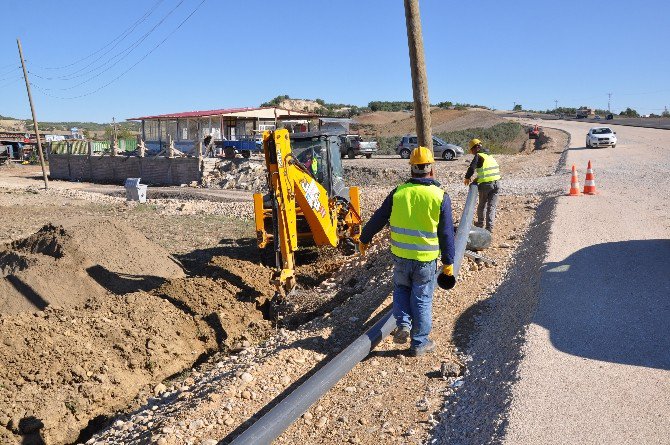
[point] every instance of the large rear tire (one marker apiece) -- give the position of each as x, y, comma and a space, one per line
368, 156
405, 153
351, 153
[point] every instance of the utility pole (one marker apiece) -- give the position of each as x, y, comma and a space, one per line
609, 97
32, 110
417, 63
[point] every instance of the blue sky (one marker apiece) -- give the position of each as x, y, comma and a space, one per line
231, 54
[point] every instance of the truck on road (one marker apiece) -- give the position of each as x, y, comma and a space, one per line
353, 145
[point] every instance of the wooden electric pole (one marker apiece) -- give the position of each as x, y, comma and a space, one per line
32, 110
417, 63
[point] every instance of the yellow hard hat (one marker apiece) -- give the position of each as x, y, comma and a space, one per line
474, 142
421, 155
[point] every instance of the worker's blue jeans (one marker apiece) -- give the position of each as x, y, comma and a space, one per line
413, 286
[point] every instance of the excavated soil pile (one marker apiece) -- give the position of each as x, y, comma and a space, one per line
233, 313
62, 367
66, 264
93, 314
239, 174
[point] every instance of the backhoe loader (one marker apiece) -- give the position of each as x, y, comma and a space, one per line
308, 203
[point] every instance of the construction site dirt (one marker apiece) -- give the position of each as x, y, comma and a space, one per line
157, 329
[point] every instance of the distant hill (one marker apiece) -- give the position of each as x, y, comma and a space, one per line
316, 106
94, 128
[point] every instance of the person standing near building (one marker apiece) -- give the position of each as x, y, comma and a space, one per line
422, 230
207, 142
488, 182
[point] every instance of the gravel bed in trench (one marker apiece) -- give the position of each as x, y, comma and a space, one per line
222, 397
219, 398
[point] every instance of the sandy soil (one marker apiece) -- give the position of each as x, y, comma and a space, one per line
387, 123
219, 308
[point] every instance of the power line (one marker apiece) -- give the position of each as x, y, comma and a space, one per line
121, 36
12, 81
119, 57
16, 68
8, 77
131, 67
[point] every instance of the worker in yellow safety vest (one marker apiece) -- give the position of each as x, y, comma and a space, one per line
488, 182
422, 230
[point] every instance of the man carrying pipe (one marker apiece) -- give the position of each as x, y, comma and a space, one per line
419, 213
488, 178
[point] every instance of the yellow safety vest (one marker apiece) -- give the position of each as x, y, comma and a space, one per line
414, 218
315, 165
490, 171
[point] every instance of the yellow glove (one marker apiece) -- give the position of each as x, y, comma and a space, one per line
467, 181
361, 248
448, 269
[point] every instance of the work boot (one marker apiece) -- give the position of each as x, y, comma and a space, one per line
478, 224
400, 335
427, 348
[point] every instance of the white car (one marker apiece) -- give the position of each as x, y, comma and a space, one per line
600, 137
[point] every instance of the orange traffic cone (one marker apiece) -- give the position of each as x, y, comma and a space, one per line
589, 183
574, 183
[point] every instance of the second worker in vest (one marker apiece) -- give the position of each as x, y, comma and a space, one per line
422, 230
488, 182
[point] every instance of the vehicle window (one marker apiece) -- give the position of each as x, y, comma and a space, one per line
437, 142
601, 131
413, 140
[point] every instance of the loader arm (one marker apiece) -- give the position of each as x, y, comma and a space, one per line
296, 193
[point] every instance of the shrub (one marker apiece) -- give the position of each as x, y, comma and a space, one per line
500, 138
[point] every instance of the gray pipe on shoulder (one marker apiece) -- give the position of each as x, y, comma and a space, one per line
283, 414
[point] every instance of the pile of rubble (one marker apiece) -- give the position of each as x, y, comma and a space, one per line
239, 174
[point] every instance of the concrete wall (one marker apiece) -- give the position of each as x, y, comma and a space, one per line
115, 169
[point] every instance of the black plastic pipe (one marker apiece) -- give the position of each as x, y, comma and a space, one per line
464, 227
283, 414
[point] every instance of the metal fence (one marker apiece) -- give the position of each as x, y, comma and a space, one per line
77, 147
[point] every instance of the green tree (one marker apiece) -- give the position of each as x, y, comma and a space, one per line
666, 113
517, 107
629, 112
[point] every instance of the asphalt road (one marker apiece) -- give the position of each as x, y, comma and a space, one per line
596, 358
647, 122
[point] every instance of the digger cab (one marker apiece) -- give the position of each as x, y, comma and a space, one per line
319, 153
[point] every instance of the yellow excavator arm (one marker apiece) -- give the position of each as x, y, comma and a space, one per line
296, 195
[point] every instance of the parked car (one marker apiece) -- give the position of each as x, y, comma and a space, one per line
609, 117
601, 137
597, 117
353, 145
441, 149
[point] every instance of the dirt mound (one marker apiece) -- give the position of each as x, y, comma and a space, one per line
68, 263
383, 117
444, 120
387, 123
62, 367
232, 312
237, 174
